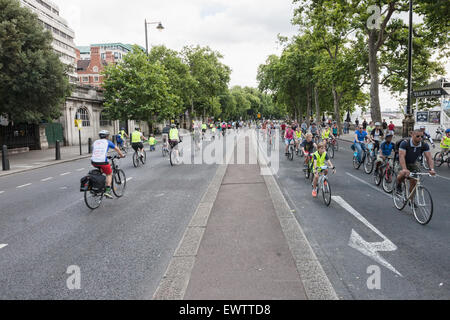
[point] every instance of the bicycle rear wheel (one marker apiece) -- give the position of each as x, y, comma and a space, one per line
356, 163
136, 161
336, 145
326, 192
119, 183
378, 177
93, 200
331, 151
400, 199
422, 206
144, 157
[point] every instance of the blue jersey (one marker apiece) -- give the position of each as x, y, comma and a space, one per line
361, 136
387, 148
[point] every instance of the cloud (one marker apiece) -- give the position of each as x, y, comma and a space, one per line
244, 31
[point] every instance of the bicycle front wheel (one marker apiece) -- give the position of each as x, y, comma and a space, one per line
438, 159
378, 177
93, 200
389, 180
331, 152
144, 157
422, 206
400, 199
291, 154
356, 163
119, 183
368, 164
326, 192
136, 161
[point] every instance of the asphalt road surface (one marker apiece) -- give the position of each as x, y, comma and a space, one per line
420, 265
122, 249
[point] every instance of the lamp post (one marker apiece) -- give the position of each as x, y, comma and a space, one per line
158, 27
408, 122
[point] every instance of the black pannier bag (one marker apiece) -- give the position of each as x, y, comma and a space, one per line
97, 181
85, 182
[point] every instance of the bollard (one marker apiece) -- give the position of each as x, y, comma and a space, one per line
90, 145
58, 150
5, 160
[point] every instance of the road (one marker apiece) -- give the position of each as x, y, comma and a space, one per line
422, 257
122, 249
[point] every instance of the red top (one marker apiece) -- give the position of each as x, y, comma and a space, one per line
391, 127
283, 127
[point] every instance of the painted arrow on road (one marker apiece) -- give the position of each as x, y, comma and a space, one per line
370, 249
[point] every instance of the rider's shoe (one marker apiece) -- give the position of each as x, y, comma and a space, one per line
108, 194
314, 193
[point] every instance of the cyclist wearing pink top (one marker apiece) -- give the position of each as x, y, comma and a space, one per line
289, 137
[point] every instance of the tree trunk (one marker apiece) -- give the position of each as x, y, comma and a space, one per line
337, 108
316, 100
308, 107
374, 78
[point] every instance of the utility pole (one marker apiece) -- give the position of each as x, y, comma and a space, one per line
408, 122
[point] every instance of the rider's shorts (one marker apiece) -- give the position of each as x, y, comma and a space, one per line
173, 143
137, 146
413, 167
105, 168
288, 141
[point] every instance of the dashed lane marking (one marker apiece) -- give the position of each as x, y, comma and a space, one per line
47, 179
443, 177
65, 174
23, 186
2, 246
129, 179
2, 192
80, 169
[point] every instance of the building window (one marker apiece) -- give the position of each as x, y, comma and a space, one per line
83, 115
85, 79
95, 78
95, 69
116, 55
104, 121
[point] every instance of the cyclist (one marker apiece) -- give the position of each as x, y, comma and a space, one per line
100, 158
121, 137
360, 139
204, 128
313, 129
320, 157
298, 138
427, 136
165, 136
174, 136
288, 136
326, 133
409, 151
152, 141
386, 149
445, 143
335, 129
308, 147
136, 142
376, 136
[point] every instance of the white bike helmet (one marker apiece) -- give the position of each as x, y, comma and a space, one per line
103, 134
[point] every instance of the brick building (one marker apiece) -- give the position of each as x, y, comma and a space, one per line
89, 70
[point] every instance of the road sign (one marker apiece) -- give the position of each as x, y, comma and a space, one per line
78, 123
259, 115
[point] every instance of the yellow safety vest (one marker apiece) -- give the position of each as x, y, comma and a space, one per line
122, 133
320, 159
445, 143
173, 135
326, 134
136, 137
298, 134
152, 141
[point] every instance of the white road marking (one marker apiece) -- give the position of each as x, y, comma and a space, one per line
2, 246
80, 169
65, 174
369, 249
23, 186
2, 192
129, 179
47, 179
443, 177
63, 188
370, 185
25, 167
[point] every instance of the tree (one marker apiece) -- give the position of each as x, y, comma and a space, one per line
139, 89
33, 81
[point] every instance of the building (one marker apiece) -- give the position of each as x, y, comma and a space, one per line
63, 35
119, 50
89, 70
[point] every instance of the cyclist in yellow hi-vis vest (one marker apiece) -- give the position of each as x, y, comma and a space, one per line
174, 136
136, 141
320, 157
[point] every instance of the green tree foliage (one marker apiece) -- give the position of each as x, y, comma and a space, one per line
33, 81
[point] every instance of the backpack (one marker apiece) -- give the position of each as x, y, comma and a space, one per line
398, 143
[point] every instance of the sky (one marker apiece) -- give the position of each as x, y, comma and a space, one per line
244, 31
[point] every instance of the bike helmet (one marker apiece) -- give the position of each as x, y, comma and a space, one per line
389, 134
103, 134
122, 129
173, 125
422, 128
137, 129
447, 131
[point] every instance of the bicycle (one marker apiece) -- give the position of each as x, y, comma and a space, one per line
176, 154
309, 168
93, 198
369, 159
419, 199
330, 150
335, 144
423, 162
324, 185
440, 158
386, 176
139, 159
356, 163
290, 154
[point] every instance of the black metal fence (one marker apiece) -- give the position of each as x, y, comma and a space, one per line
20, 136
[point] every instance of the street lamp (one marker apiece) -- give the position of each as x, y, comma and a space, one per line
158, 27
408, 122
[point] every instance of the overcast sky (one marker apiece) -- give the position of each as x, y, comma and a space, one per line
244, 31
